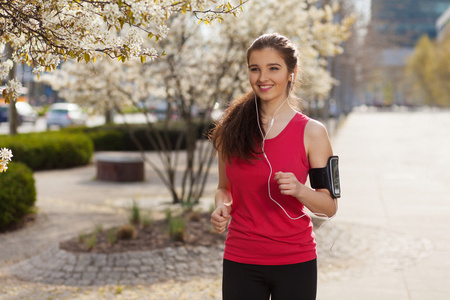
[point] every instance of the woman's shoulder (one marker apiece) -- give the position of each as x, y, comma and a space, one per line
311, 123
300, 117
315, 129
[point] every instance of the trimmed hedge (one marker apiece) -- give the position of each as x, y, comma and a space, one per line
116, 137
75, 146
17, 194
50, 150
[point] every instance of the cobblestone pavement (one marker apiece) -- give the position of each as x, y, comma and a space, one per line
59, 267
360, 245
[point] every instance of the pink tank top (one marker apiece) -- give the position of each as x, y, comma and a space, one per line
259, 231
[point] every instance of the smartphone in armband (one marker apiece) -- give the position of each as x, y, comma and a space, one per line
327, 177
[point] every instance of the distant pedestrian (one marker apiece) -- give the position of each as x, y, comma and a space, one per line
265, 150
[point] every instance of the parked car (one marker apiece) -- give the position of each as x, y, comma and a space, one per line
4, 113
65, 114
25, 112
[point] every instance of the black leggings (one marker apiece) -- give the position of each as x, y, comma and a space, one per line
259, 282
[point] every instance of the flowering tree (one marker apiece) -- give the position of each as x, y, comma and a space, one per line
202, 66
180, 79
428, 72
42, 33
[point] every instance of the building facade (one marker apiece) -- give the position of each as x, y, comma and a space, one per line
397, 26
403, 22
443, 25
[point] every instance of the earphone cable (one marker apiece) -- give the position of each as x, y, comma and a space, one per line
270, 165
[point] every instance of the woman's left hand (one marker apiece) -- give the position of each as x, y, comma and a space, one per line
288, 184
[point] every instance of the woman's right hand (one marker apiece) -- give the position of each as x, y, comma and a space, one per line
220, 216
222, 200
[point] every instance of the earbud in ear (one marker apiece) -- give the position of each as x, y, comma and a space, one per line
292, 76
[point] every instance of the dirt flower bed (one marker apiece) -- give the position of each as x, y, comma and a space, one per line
156, 235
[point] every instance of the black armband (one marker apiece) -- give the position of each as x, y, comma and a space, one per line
327, 177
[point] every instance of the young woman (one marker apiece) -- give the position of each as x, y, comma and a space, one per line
265, 150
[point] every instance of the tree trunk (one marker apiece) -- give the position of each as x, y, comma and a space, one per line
12, 114
109, 116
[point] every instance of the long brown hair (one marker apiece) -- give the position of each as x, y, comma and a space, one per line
237, 133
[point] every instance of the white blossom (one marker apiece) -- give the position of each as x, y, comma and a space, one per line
163, 31
5, 67
12, 89
5, 158
3, 166
152, 53
6, 154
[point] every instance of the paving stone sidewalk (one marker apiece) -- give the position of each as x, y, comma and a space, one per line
59, 267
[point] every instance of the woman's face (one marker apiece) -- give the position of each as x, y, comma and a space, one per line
268, 75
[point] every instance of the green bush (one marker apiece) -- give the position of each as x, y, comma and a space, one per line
74, 146
107, 140
17, 194
116, 137
50, 150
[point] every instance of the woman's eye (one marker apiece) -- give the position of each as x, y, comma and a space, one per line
274, 68
253, 69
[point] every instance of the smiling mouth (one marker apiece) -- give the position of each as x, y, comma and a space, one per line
265, 88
